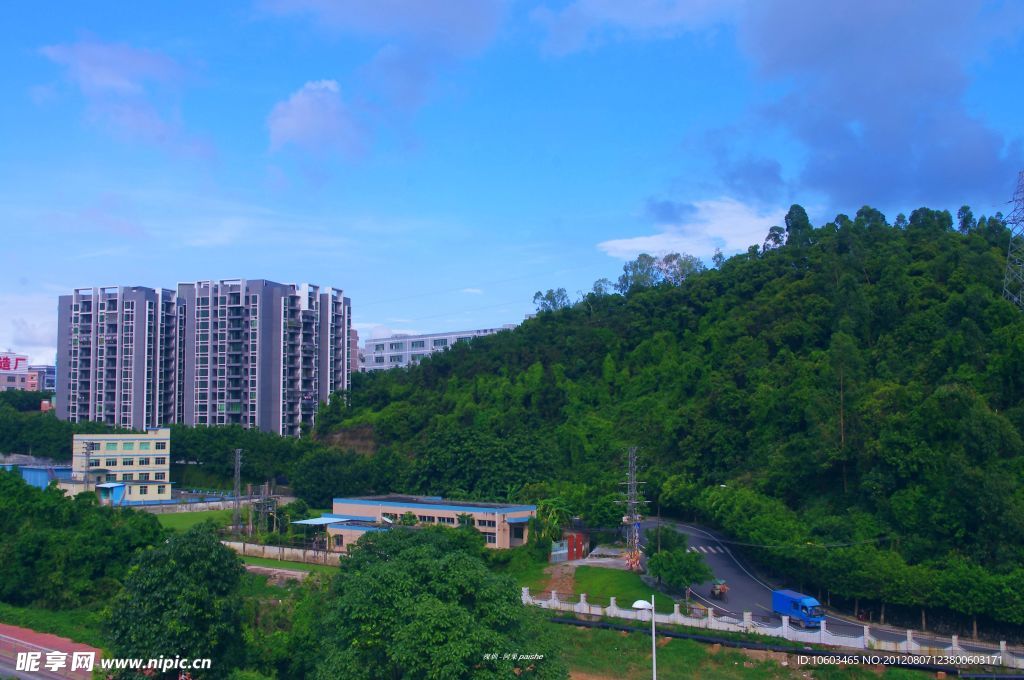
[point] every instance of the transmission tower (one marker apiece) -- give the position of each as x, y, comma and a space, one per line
632, 517
1013, 282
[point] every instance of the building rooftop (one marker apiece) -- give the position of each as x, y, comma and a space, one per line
435, 502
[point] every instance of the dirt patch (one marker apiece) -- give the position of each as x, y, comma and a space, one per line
579, 675
360, 439
561, 578
277, 577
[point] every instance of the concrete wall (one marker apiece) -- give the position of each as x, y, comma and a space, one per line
276, 552
1011, 658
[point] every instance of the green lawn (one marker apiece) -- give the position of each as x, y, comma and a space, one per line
525, 571
183, 521
600, 584
284, 564
627, 656
81, 625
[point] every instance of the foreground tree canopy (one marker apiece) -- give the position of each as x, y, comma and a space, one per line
423, 604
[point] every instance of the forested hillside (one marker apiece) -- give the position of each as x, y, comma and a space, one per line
858, 389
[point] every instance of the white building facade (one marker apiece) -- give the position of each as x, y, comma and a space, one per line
396, 351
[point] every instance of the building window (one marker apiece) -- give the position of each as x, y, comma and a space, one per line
446, 520
128, 461
143, 461
110, 446
490, 538
390, 515
517, 532
161, 489
128, 446
160, 461
110, 462
111, 478
395, 359
485, 523
143, 490
161, 446
143, 476
464, 338
426, 519
378, 360
418, 344
441, 342
143, 446
127, 477
160, 476
378, 347
94, 462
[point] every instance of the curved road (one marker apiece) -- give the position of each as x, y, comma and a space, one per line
747, 593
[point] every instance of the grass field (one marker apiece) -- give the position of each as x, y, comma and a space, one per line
81, 625
283, 564
183, 521
626, 587
611, 655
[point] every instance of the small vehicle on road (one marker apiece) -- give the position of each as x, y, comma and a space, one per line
802, 610
720, 590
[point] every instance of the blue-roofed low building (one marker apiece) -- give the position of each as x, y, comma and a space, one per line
504, 525
40, 476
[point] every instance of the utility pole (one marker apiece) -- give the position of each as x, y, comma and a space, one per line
632, 516
1013, 281
237, 516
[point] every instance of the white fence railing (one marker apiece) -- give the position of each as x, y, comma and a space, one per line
911, 644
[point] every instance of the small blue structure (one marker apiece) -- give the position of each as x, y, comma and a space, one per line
801, 609
40, 476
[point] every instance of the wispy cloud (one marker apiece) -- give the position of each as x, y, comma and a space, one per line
29, 325
472, 291
120, 83
723, 223
588, 22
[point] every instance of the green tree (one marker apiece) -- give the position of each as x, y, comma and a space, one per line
423, 604
181, 599
678, 568
553, 300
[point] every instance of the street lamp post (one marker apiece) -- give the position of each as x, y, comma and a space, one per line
644, 604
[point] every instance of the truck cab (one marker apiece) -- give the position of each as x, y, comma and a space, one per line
802, 610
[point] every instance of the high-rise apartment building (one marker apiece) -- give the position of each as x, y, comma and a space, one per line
255, 353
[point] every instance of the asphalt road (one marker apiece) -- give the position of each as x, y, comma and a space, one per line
747, 593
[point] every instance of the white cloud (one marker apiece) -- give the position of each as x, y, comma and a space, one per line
315, 119
473, 291
29, 325
723, 223
99, 68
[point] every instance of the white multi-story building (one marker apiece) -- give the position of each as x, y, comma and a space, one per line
381, 354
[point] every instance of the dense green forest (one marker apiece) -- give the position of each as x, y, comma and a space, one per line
858, 389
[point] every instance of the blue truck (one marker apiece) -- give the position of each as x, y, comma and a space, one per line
802, 610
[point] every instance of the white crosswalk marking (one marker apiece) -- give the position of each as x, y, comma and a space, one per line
703, 549
691, 549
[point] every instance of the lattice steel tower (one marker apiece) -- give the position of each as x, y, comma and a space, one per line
632, 516
1013, 281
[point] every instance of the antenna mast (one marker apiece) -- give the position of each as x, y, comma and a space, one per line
1013, 281
632, 517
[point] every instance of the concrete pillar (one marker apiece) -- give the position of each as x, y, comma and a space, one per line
867, 638
748, 620
526, 595
711, 617
954, 642
1002, 652
822, 632
785, 627
554, 596
583, 599
910, 641
611, 603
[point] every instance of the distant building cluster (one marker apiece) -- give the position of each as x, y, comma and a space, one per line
17, 374
254, 353
380, 354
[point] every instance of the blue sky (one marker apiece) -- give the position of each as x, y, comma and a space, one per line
442, 160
